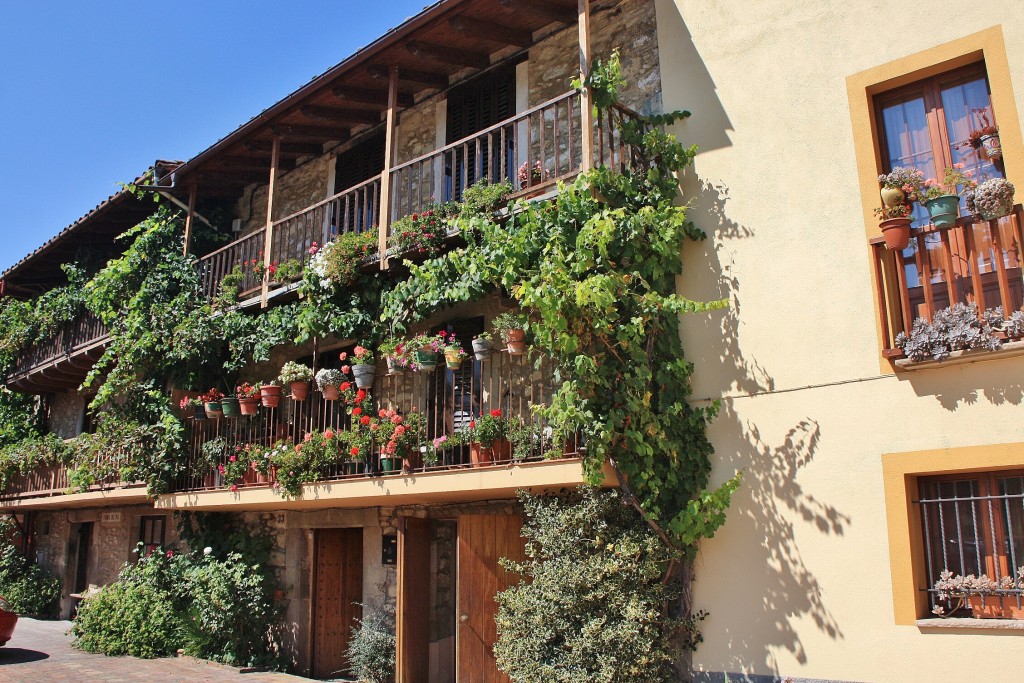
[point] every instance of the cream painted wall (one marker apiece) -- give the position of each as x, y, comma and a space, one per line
798, 581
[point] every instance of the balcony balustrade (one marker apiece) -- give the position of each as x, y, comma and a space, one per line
63, 359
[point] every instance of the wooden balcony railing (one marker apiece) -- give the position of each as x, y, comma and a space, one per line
544, 142
54, 480
974, 261
448, 400
85, 332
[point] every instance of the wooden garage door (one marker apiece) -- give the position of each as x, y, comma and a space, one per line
482, 540
338, 586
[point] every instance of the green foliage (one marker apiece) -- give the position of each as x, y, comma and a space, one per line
337, 264
229, 288
34, 450
592, 605
603, 80
27, 587
483, 198
422, 234
371, 649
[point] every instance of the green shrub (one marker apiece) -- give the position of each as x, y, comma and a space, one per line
593, 606
28, 587
371, 649
126, 618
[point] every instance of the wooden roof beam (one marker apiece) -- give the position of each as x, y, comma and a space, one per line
287, 148
448, 55
355, 116
429, 79
288, 130
505, 35
370, 96
232, 177
253, 163
542, 9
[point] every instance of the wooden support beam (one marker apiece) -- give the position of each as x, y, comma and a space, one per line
586, 107
275, 155
190, 218
258, 163
430, 79
384, 219
542, 9
449, 55
356, 116
295, 149
370, 96
228, 178
488, 30
293, 131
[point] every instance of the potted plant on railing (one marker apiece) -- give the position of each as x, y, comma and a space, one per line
985, 138
230, 287
894, 222
213, 452
286, 272
419, 235
991, 199
232, 471
512, 330
270, 394
328, 380
262, 463
988, 599
399, 438
942, 199
487, 438
531, 175
364, 366
193, 406
396, 353
482, 346
248, 398
454, 354
901, 186
426, 349
212, 402
297, 377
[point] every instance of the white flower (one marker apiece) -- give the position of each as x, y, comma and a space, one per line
207, 550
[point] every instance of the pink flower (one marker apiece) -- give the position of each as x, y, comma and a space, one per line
440, 440
359, 351
382, 413
329, 434
170, 553
308, 437
344, 354
959, 166
346, 369
232, 459
234, 487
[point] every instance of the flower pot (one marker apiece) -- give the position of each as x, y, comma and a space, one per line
453, 359
300, 391
199, 413
501, 450
480, 455
251, 477
892, 196
896, 232
229, 404
211, 480
330, 393
482, 349
426, 360
393, 366
247, 406
995, 607
943, 210
412, 460
364, 375
515, 340
355, 467
390, 465
990, 147
214, 409
270, 395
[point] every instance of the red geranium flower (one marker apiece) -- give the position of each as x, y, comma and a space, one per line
361, 394
365, 419
354, 450
472, 424
356, 411
345, 385
495, 413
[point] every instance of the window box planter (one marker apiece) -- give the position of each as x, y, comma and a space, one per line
995, 606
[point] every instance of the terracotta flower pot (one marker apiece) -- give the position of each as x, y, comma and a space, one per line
501, 451
250, 477
480, 455
270, 394
330, 393
896, 232
515, 341
247, 406
300, 391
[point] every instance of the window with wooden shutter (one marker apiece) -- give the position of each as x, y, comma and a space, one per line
473, 107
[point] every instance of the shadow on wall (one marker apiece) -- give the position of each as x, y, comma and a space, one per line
969, 384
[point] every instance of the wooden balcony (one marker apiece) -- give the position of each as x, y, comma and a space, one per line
62, 361
547, 136
46, 486
448, 401
974, 261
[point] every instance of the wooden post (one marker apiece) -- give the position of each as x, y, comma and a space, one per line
190, 218
275, 152
384, 212
586, 108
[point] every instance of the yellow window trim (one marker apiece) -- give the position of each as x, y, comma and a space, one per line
900, 472
984, 45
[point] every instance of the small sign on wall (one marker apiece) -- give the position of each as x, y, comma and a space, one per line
389, 550
110, 518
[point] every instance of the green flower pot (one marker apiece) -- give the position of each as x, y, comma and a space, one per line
230, 406
943, 210
426, 360
389, 465
214, 409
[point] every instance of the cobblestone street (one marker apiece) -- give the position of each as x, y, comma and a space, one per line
41, 652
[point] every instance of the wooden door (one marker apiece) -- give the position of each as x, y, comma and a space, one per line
482, 540
413, 618
338, 590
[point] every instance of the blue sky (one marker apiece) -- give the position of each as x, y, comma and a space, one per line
91, 93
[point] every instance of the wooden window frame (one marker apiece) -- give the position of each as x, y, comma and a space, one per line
143, 520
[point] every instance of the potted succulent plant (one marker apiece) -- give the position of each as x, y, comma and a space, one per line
988, 599
327, 380
248, 398
297, 377
511, 328
482, 346
364, 366
212, 402
454, 354
991, 199
942, 199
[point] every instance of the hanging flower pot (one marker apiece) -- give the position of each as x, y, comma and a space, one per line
390, 464
330, 393
896, 232
246, 406
943, 210
229, 404
990, 147
199, 412
393, 366
270, 395
453, 358
892, 196
482, 348
515, 341
214, 409
364, 375
300, 390
426, 359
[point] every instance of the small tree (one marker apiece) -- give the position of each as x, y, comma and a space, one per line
593, 606
371, 649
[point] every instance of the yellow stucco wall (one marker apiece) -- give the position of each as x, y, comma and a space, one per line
799, 582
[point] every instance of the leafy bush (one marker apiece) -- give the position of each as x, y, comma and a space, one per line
129, 617
28, 587
593, 606
371, 650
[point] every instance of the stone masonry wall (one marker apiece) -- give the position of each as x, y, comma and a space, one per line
66, 410
303, 186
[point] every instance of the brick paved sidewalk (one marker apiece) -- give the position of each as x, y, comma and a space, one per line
41, 652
